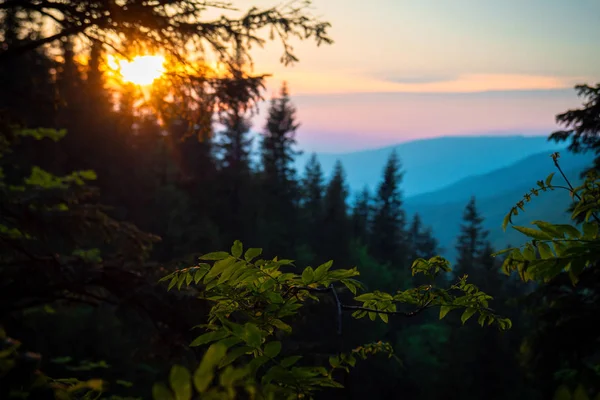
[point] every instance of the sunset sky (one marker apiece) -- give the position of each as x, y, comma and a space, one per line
406, 69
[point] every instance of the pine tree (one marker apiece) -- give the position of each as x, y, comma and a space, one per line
422, 242
279, 202
235, 144
388, 236
236, 215
278, 141
361, 215
471, 242
335, 244
312, 203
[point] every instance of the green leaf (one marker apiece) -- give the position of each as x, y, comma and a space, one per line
173, 282
562, 393
467, 314
161, 392
580, 393
506, 221
216, 256
229, 271
548, 181
289, 361
334, 361
252, 335
444, 310
590, 230
308, 275
569, 230
281, 325
272, 349
199, 274
180, 380
252, 253
209, 337
545, 250
322, 270
180, 281
219, 267
237, 249
257, 362
532, 233
204, 375
234, 355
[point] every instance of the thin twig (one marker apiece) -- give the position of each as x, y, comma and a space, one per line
339, 309
555, 159
403, 313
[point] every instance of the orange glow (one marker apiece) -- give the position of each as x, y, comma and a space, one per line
141, 70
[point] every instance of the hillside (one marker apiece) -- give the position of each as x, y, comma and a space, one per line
432, 164
445, 217
524, 172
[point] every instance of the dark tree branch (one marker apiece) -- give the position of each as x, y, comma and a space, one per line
341, 307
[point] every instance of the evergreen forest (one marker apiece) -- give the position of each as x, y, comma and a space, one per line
152, 247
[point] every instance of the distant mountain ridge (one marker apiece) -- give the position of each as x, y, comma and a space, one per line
525, 172
442, 174
496, 193
432, 164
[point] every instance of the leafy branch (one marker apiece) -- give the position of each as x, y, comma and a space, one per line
253, 297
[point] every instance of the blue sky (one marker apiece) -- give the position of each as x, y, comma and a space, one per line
485, 66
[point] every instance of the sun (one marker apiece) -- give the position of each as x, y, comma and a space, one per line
141, 70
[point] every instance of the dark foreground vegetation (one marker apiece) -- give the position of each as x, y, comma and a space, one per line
119, 208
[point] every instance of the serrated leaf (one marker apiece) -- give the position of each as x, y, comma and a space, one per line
252, 253
180, 380
468, 313
210, 337
237, 249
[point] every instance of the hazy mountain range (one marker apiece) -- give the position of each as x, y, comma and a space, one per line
431, 164
442, 174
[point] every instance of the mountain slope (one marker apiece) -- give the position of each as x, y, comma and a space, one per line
445, 218
525, 172
431, 164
